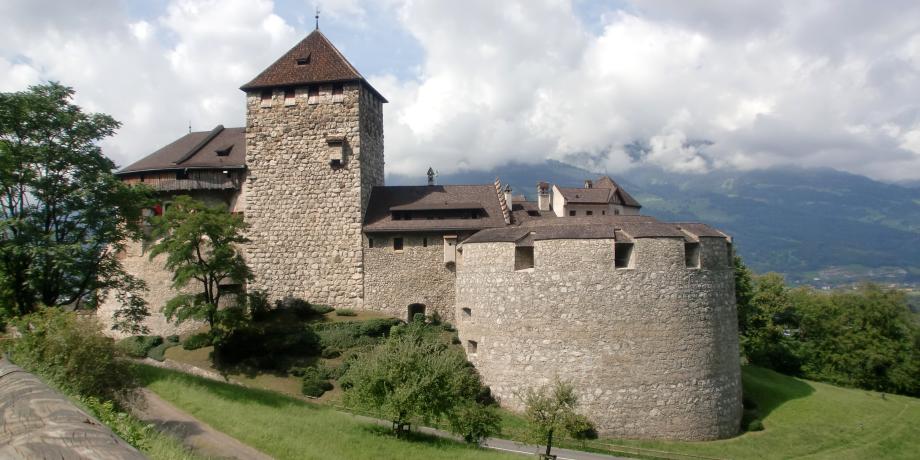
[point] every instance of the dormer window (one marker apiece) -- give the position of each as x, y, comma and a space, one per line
289, 97
303, 61
266, 98
224, 151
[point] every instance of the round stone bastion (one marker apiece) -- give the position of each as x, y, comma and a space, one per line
650, 341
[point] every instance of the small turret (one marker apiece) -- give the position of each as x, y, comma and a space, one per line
543, 198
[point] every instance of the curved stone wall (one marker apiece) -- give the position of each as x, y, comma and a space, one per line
652, 350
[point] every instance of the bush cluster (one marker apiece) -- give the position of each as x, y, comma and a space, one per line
345, 312
139, 345
315, 382
354, 334
71, 352
266, 345
196, 341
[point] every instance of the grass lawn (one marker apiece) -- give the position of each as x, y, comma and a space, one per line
289, 428
805, 419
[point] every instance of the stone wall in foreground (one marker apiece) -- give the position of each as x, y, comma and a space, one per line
652, 351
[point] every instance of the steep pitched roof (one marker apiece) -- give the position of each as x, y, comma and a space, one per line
219, 148
603, 191
314, 60
433, 198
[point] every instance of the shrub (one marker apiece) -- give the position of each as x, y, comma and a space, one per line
321, 309
330, 353
354, 334
173, 339
315, 383
755, 425
345, 312
259, 307
71, 352
297, 306
159, 352
266, 345
474, 422
137, 346
196, 341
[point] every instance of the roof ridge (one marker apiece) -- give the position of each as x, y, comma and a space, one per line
200, 145
336, 50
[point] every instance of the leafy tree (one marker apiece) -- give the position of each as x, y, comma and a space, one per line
744, 291
864, 338
63, 215
551, 410
770, 326
201, 244
413, 374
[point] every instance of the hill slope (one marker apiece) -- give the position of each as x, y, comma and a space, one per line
806, 223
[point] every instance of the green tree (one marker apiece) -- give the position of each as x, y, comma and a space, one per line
551, 410
63, 215
769, 326
864, 338
201, 244
413, 374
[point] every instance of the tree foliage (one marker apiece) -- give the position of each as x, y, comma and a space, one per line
551, 410
415, 375
864, 337
63, 215
201, 244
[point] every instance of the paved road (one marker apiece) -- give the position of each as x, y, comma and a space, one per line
193, 432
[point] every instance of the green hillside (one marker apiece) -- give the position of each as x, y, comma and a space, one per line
814, 420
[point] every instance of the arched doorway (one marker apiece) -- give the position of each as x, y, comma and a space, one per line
415, 309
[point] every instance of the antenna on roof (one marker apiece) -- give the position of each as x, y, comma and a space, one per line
190, 126
317, 17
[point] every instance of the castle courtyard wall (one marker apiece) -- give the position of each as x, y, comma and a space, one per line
395, 279
652, 351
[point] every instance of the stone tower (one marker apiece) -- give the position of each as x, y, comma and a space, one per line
314, 150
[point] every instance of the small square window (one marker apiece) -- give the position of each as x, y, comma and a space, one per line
397, 244
603, 213
523, 257
471, 346
338, 89
303, 61
467, 312
572, 213
182, 174
589, 213
616, 212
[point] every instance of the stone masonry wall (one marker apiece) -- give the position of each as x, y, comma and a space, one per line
305, 214
417, 274
652, 350
136, 261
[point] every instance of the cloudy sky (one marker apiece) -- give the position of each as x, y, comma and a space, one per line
689, 86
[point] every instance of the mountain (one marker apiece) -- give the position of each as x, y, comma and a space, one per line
817, 226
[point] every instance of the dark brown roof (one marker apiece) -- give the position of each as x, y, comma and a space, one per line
432, 197
314, 60
603, 191
620, 228
198, 150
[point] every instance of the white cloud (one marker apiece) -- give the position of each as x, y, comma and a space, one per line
695, 85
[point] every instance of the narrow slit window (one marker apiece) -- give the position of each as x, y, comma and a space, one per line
692, 255
397, 244
523, 257
471, 346
424, 241
370, 243
622, 255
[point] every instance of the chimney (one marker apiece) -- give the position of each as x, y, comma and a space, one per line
508, 198
588, 183
430, 176
543, 196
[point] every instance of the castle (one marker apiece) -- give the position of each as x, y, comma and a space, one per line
638, 313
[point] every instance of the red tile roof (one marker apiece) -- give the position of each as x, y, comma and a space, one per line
314, 60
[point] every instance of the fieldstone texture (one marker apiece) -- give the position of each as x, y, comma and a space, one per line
306, 213
394, 280
652, 350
